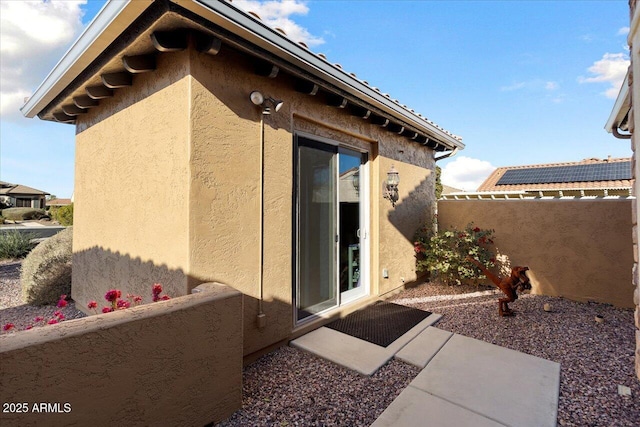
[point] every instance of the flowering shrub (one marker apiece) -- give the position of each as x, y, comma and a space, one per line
113, 297
445, 253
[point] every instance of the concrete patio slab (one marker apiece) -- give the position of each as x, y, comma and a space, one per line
507, 386
416, 408
345, 350
424, 347
353, 353
408, 336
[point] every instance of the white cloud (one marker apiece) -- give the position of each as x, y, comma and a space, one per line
466, 173
623, 31
531, 85
276, 14
611, 69
514, 86
33, 36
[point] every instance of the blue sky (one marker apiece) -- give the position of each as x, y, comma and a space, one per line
521, 82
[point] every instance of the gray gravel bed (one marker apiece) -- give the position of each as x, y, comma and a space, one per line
289, 387
14, 310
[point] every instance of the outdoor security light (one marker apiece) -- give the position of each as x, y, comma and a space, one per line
258, 99
390, 186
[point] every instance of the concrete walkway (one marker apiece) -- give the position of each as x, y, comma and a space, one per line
464, 382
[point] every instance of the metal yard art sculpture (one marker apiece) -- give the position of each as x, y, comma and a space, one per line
517, 280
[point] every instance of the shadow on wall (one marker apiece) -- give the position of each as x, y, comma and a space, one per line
412, 211
97, 270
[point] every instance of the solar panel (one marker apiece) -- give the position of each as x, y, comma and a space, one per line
574, 173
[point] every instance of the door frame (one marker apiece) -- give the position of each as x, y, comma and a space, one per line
365, 219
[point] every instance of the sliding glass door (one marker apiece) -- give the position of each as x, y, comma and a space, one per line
330, 226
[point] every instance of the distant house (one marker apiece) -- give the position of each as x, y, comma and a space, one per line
57, 203
587, 178
21, 196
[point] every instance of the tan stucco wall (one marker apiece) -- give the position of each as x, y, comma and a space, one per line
633, 40
206, 144
176, 362
578, 249
132, 188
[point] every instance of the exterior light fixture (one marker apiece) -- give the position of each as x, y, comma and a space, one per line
355, 180
258, 99
390, 186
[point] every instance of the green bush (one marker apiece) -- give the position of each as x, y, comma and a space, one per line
14, 244
444, 254
23, 214
63, 214
46, 271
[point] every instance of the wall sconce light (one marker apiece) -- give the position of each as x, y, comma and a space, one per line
355, 180
390, 186
258, 99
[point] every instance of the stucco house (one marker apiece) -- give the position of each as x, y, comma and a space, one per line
249, 160
21, 196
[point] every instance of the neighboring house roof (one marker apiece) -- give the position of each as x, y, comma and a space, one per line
448, 190
7, 189
588, 178
110, 38
58, 202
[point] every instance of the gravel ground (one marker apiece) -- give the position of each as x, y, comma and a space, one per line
14, 310
289, 387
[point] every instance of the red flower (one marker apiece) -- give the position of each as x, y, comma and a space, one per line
476, 229
52, 322
8, 326
157, 289
106, 309
28, 327
92, 305
112, 295
137, 299
38, 319
62, 303
165, 297
122, 304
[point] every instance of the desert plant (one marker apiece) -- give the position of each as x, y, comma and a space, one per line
63, 214
444, 253
14, 244
46, 271
23, 214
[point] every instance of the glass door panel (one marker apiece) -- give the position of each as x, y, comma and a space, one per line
352, 232
316, 231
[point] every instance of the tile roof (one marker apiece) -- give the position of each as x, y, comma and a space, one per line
58, 202
17, 189
538, 177
62, 95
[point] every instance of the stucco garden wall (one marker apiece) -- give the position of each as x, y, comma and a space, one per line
633, 40
175, 362
578, 249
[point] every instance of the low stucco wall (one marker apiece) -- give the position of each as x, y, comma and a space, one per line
578, 249
175, 362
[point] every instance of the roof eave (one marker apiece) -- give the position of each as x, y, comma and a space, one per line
620, 108
116, 16
262, 35
111, 20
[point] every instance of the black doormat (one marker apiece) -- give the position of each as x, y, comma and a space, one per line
381, 323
